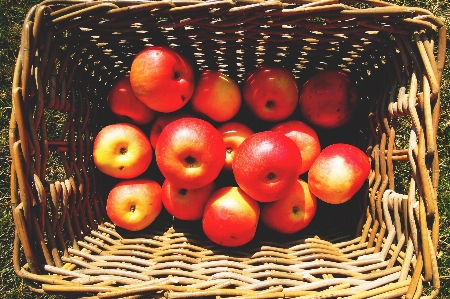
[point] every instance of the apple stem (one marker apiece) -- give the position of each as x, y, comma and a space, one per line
229, 150
295, 209
133, 208
123, 150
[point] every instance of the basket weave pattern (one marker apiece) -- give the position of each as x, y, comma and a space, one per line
72, 50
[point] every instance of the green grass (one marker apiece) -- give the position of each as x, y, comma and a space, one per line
444, 185
13, 13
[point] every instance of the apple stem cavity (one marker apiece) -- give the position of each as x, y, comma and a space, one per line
123, 150
182, 191
176, 75
229, 150
271, 175
295, 209
133, 208
190, 160
270, 104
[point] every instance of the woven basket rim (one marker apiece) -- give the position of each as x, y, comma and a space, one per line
394, 251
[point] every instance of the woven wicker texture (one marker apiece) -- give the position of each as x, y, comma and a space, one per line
382, 244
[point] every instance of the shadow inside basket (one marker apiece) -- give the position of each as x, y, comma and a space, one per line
332, 222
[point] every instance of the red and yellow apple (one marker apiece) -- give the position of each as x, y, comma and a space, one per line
338, 173
230, 217
328, 99
186, 204
291, 213
190, 152
126, 106
306, 139
271, 92
122, 150
134, 204
216, 96
265, 165
233, 133
162, 78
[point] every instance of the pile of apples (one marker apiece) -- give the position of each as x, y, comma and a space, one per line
193, 147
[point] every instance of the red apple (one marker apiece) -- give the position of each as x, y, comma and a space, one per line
265, 165
162, 78
306, 139
271, 92
338, 173
161, 122
134, 204
186, 204
291, 213
126, 106
230, 217
190, 152
216, 96
233, 133
328, 99
122, 150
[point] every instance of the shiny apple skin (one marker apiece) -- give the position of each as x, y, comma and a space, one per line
134, 204
271, 92
162, 78
338, 173
216, 96
328, 100
190, 152
265, 165
230, 217
291, 213
122, 150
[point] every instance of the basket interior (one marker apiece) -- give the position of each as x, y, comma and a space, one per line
236, 47
82, 47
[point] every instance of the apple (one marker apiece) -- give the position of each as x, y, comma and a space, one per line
306, 139
230, 217
134, 204
291, 213
186, 204
161, 122
328, 99
216, 96
270, 92
122, 150
190, 152
265, 165
233, 133
162, 78
126, 106
338, 173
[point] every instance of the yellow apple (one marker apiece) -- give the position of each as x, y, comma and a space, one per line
134, 204
122, 150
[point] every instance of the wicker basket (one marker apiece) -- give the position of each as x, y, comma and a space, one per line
381, 244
